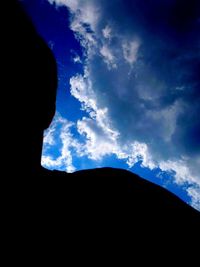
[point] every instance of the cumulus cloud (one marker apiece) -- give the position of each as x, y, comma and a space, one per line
101, 139
60, 129
141, 83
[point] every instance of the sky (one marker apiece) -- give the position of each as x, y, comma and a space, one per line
129, 88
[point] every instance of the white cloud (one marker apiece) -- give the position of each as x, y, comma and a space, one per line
77, 59
101, 139
130, 50
71, 4
194, 192
139, 151
82, 90
107, 32
49, 135
182, 171
98, 142
86, 12
64, 161
85, 18
108, 57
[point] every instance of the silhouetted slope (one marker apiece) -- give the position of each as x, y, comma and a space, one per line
106, 186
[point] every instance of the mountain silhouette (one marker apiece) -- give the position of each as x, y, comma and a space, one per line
99, 201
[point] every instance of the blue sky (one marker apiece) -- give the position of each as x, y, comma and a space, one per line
129, 88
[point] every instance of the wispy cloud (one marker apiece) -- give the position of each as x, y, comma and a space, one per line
59, 132
109, 59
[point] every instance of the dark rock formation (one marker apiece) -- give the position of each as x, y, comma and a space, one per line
101, 201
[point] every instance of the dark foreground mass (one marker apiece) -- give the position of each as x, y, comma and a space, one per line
48, 207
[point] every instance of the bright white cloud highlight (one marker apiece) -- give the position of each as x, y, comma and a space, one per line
64, 160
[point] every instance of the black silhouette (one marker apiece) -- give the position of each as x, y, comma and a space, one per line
102, 199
